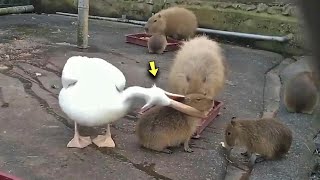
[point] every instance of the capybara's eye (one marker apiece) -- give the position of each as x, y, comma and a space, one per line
188, 78
229, 133
204, 79
155, 21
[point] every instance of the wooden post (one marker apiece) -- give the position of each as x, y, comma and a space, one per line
83, 16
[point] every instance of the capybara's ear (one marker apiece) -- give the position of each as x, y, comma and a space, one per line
188, 78
204, 79
159, 15
233, 122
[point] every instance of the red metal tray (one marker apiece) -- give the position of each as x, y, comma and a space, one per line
215, 111
172, 45
4, 176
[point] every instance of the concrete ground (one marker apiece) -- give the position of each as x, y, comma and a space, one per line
34, 131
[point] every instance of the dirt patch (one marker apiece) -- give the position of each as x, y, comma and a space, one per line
20, 48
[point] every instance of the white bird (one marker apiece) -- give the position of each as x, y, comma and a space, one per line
93, 94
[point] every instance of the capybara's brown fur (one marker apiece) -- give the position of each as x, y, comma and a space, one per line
301, 93
157, 43
266, 136
198, 67
162, 127
176, 22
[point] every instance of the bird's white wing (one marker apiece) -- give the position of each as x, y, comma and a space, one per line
119, 79
111, 71
80, 67
71, 72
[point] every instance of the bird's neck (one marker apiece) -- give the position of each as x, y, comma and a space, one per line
135, 92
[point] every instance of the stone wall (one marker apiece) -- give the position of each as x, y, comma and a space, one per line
10, 3
142, 9
254, 1
52, 6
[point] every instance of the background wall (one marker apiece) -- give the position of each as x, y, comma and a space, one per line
253, 1
268, 17
10, 3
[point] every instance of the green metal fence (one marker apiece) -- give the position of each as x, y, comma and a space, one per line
11, 3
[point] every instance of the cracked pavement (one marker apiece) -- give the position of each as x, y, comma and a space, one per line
34, 131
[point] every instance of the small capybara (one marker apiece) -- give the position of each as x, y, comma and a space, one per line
301, 94
199, 66
266, 136
176, 22
163, 127
157, 43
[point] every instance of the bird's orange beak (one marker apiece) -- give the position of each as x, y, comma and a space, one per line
191, 111
174, 96
170, 95
174, 103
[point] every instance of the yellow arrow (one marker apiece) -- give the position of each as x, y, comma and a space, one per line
153, 69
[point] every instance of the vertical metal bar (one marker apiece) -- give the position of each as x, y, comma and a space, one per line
83, 16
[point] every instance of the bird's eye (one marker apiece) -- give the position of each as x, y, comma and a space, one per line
229, 133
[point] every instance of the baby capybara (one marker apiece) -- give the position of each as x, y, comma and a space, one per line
162, 127
266, 136
301, 94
